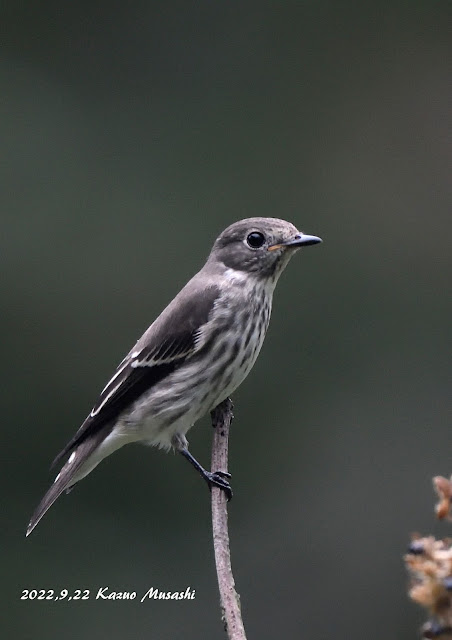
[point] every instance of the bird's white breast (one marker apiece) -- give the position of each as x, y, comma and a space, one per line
227, 348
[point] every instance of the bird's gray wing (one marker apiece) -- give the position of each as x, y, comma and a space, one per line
167, 344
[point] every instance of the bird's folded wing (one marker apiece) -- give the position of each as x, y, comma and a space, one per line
169, 341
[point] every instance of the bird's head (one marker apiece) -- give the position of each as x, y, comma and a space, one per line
259, 246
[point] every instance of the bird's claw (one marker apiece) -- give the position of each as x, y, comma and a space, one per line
219, 479
223, 474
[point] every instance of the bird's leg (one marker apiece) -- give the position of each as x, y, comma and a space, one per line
217, 478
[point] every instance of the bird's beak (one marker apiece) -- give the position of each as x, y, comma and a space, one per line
299, 240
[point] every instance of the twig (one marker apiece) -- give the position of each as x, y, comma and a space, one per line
230, 601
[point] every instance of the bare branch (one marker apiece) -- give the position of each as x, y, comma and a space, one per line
230, 600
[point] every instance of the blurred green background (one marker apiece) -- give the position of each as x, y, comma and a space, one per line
132, 133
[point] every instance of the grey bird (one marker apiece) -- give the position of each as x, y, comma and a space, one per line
192, 357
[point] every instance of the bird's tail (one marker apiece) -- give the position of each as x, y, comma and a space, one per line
70, 473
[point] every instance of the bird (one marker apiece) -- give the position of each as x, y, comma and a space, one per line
192, 357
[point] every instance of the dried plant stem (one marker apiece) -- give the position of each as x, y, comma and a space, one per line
230, 602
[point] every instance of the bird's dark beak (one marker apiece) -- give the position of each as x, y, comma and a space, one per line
299, 240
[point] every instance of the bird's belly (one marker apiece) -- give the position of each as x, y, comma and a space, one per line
173, 405
185, 398
232, 377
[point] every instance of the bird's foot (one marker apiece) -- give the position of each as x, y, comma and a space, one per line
219, 479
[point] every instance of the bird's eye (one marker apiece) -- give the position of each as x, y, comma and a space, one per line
255, 240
